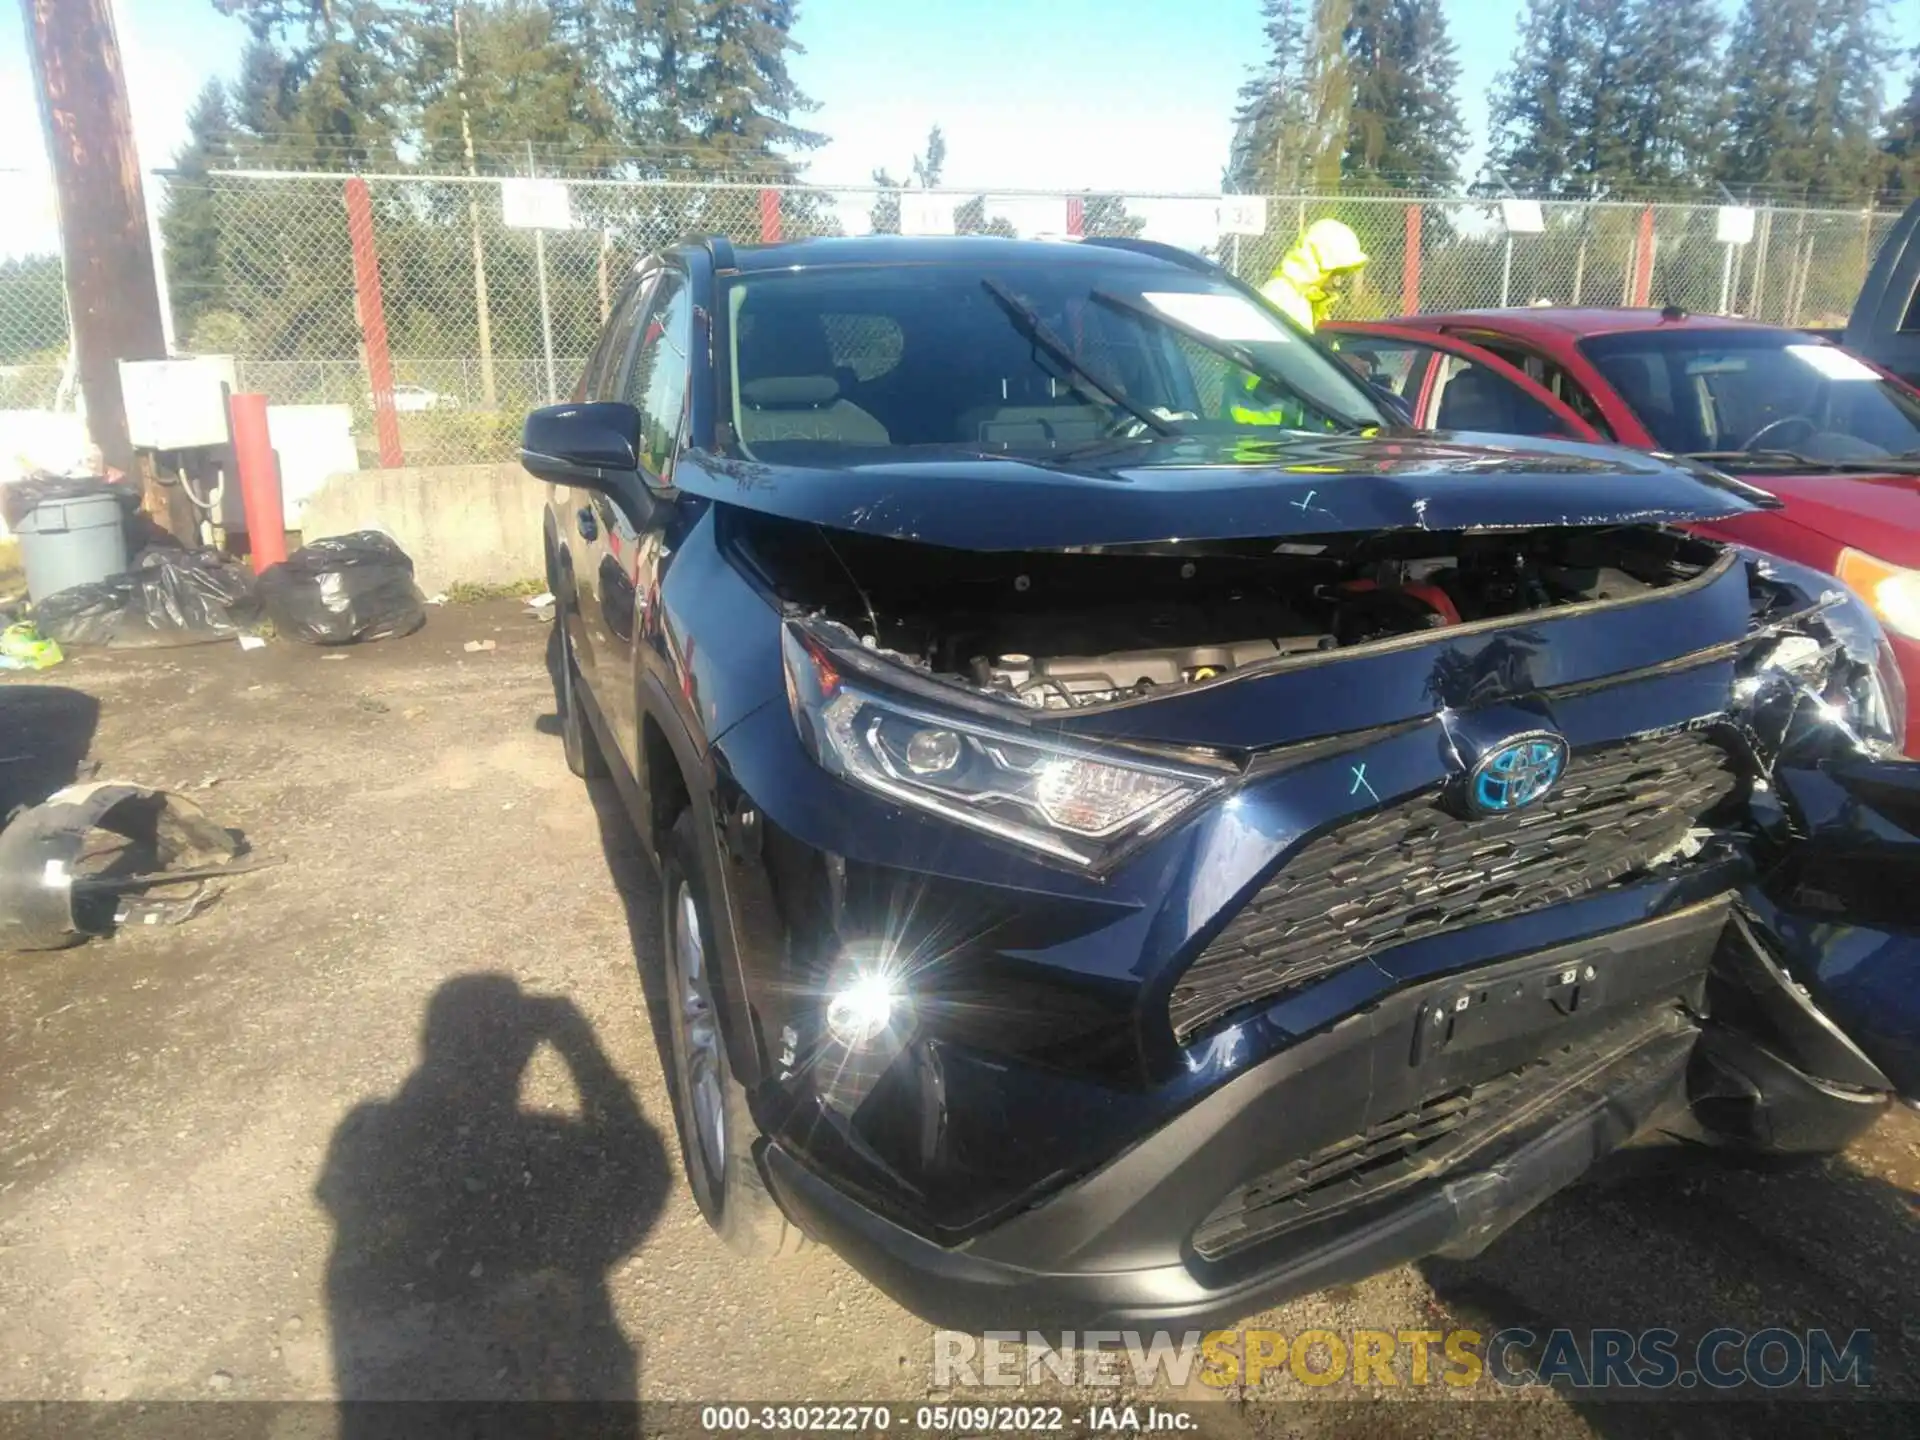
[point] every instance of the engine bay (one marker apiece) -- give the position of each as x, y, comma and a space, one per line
1066, 629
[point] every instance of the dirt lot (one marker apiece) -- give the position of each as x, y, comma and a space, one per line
389, 1121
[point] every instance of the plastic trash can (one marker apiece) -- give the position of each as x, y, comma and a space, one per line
78, 540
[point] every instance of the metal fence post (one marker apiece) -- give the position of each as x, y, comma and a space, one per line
546, 311
1410, 264
373, 321
1643, 260
769, 216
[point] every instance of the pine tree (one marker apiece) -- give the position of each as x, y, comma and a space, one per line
342, 91
1602, 158
1804, 78
746, 97
512, 79
931, 164
1404, 125
1901, 147
1672, 87
191, 224
1291, 128
926, 169
1536, 136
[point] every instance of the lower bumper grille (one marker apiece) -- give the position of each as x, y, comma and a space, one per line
1442, 1132
1412, 869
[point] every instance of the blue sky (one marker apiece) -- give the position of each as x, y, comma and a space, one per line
1123, 94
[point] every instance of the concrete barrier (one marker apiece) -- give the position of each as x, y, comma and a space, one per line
474, 523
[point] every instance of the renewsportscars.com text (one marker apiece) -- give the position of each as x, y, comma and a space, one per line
1601, 1359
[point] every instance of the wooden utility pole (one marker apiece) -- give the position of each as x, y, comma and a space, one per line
111, 293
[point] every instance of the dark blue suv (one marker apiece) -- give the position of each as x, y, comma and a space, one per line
1142, 834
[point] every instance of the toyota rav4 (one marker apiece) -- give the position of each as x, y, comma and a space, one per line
1141, 834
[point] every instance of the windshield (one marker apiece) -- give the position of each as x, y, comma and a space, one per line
1757, 390
1016, 358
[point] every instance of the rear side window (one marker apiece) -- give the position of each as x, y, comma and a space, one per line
1472, 397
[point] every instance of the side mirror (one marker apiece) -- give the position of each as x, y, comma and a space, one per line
586, 445
594, 446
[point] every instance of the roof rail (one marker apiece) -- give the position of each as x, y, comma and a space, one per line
1159, 249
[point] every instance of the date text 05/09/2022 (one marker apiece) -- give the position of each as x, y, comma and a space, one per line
947, 1419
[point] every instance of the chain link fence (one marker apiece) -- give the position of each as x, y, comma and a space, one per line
484, 320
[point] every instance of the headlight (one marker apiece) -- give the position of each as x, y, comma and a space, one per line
1826, 669
1891, 592
1071, 802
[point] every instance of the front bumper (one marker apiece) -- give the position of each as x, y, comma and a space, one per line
1142, 1241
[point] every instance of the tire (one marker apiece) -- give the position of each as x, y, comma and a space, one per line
717, 1132
582, 746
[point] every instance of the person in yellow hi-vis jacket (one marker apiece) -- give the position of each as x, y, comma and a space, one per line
1304, 287
1315, 273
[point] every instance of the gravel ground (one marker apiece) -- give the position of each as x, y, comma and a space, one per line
388, 1120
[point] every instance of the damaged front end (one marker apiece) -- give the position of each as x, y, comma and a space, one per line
1233, 917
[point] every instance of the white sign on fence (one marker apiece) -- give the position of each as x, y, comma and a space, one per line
1243, 215
527, 204
922, 213
1522, 217
1733, 225
177, 404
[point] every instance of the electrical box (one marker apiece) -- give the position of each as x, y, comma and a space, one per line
177, 404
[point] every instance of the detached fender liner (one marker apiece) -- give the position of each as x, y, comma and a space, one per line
1116, 1248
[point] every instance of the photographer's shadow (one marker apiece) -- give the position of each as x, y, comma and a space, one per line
473, 1239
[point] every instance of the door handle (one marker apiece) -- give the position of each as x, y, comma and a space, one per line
588, 526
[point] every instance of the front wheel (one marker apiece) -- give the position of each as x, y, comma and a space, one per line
582, 746
716, 1129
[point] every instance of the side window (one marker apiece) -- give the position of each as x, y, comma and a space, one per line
1392, 365
1550, 377
603, 366
657, 383
1472, 397
1574, 396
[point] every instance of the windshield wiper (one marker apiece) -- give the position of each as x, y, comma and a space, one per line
1899, 464
1237, 353
1039, 334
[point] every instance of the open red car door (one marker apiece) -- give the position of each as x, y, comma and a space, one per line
1450, 384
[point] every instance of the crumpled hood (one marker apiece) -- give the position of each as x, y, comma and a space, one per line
1202, 489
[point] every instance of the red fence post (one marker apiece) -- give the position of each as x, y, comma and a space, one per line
373, 321
1410, 266
1643, 260
1076, 215
259, 481
769, 216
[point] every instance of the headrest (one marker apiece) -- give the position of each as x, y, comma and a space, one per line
791, 392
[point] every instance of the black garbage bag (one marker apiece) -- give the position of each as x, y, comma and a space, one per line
344, 588
170, 597
185, 596
84, 614
43, 486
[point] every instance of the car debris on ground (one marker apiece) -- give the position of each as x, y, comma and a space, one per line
103, 854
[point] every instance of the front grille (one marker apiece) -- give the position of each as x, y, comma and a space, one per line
1413, 869
1335, 1176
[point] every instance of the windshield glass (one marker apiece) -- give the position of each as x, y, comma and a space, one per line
1017, 357
1728, 390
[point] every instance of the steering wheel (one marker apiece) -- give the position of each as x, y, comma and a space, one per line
1806, 421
